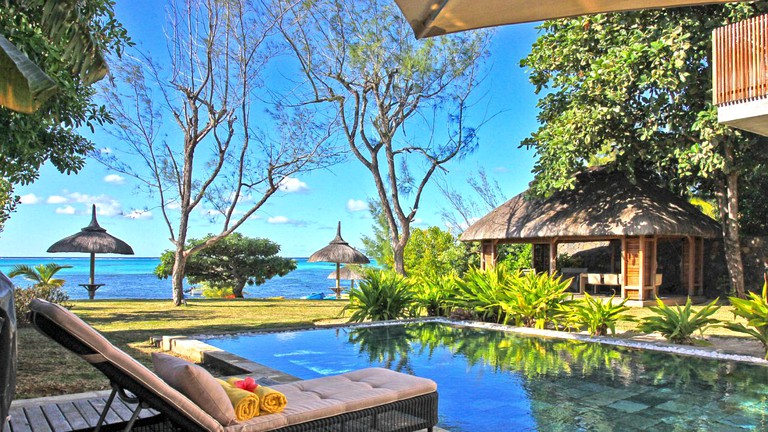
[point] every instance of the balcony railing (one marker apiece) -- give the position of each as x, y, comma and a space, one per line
740, 61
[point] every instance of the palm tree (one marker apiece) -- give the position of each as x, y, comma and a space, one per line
42, 275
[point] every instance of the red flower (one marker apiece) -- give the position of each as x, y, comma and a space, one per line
247, 384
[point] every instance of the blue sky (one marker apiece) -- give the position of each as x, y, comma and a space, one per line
301, 219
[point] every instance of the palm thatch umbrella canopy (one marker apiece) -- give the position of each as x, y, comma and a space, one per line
346, 273
92, 239
438, 17
340, 252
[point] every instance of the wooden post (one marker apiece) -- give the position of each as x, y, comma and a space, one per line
654, 263
552, 257
623, 279
488, 251
700, 258
691, 266
641, 260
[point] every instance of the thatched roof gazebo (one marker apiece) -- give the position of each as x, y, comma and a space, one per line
602, 206
340, 252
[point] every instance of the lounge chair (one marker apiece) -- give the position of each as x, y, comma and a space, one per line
371, 399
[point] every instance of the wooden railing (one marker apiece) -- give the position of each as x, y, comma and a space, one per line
740, 61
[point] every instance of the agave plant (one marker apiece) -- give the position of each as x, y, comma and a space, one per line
598, 317
42, 275
382, 295
755, 310
679, 324
533, 300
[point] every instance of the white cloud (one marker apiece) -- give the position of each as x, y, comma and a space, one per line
114, 178
139, 214
105, 150
290, 185
65, 210
173, 205
354, 205
501, 169
418, 221
278, 220
56, 199
29, 199
105, 206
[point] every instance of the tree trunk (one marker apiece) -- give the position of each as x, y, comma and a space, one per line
237, 290
398, 256
731, 237
177, 277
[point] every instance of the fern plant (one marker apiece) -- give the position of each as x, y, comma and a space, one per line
598, 317
755, 310
678, 324
382, 295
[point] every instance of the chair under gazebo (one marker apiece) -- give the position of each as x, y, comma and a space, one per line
604, 206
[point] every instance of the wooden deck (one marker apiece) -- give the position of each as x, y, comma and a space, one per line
68, 413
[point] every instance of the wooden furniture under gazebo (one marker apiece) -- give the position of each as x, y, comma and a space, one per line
604, 206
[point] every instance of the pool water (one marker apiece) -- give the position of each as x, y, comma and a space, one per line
495, 381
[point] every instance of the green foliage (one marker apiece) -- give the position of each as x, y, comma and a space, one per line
433, 250
679, 324
212, 290
382, 295
22, 297
378, 246
480, 291
233, 261
62, 52
43, 275
432, 292
565, 260
516, 256
755, 310
534, 300
597, 316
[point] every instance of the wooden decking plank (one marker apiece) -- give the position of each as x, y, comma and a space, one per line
87, 411
37, 420
19, 422
122, 409
148, 412
55, 418
73, 416
99, 404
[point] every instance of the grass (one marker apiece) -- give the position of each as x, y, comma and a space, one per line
46, 369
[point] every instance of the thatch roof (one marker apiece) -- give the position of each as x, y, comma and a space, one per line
92, 239
602, 204
346, 273
339, 251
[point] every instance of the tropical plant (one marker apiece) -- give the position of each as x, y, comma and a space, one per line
678, 324
431, 293
214, 290
755, 310
533, 300
380, 296
42, 274
479, 291
597, 316
23, 296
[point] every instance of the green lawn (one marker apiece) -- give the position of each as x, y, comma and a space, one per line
46, 369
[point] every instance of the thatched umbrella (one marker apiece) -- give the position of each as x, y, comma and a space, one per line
92, 239
340, 252
433, 18
346, 273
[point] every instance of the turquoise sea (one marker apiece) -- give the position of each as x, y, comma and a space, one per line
133, 278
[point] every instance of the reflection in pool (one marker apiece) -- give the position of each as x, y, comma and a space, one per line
495, 381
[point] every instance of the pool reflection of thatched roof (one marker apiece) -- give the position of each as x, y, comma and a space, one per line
601, 204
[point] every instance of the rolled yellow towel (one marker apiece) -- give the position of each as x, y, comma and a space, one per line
270, 401
246, 404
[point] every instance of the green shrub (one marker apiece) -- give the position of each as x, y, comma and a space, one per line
432, 293
679, 324
479, 291
22, 297
533, 300
596, 316
382, 295
218, 290
755, 310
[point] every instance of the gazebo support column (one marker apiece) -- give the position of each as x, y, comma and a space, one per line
552, 256
488, 254
691, 276
642, 276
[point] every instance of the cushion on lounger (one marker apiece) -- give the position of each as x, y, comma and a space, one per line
107, 352
197, 384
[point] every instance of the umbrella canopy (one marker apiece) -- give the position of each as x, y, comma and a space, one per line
338, 251
92, 239
345, 273
437, 17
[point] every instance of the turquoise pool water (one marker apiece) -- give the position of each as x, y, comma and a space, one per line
495, 381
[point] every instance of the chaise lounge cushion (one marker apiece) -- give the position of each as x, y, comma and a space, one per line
197, 384
333, 395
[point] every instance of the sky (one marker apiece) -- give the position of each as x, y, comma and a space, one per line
302, 217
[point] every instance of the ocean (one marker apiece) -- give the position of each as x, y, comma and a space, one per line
134, 278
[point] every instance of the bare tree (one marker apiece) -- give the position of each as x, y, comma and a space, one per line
217, 160
402, 104
462, 211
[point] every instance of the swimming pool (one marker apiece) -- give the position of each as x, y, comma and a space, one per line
492, 380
